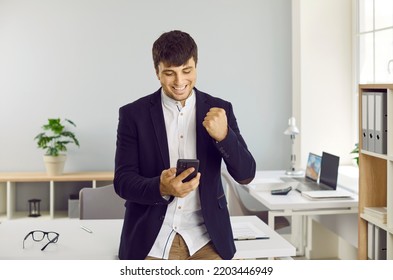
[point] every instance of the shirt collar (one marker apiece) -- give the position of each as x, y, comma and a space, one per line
166, 100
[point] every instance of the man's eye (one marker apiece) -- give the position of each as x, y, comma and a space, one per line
187, 72
168, 74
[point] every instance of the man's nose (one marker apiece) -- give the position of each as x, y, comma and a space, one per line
179, 78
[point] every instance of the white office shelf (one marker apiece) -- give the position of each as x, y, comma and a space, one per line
376, 177
9, 194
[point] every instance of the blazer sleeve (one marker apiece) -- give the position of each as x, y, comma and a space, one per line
238, 159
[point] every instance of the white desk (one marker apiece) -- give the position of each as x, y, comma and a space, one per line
294, 204
103, 243
274, 247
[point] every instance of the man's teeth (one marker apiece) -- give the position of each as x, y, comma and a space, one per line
180, 88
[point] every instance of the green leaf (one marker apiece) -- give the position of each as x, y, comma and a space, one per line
356, 151
71, 122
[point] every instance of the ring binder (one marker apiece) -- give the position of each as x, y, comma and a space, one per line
370, 123
380, 123
364, 121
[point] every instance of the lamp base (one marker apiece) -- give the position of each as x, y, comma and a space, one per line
294, 173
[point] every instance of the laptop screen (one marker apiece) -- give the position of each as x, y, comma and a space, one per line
313, 166
329, 170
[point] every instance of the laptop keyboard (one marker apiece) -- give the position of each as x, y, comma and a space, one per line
302, 180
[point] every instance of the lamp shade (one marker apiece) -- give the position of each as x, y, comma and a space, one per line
292, 128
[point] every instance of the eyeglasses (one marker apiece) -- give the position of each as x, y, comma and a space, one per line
39, 235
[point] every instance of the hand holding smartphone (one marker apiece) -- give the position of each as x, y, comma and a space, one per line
184, 164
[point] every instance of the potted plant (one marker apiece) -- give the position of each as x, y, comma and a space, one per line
54, 139
356, 152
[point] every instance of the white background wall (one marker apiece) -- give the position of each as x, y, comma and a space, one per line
324, 99
83, 59
323, 92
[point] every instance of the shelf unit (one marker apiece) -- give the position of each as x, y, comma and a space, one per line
376, 176
9, 184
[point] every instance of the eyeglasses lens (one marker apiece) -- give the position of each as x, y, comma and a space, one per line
38, 235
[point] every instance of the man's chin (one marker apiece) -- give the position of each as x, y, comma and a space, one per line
180, 97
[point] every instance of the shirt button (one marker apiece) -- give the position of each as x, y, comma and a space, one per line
181, 136
179, 207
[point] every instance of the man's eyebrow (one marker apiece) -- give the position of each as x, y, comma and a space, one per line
171, 70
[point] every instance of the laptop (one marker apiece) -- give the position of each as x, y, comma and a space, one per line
328, 175
312, 171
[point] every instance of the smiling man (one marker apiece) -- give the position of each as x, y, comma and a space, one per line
166, 216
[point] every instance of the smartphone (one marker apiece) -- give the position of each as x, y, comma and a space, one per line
183, 164
281, 191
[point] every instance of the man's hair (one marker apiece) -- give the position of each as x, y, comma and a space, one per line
174, 48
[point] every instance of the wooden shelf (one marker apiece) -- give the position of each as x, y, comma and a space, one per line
374, 221
384, 157
66, 177
9, 183
376, 177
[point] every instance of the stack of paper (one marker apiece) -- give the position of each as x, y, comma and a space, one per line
247, 231
376, 212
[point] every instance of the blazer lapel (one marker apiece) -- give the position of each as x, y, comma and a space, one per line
157, 117
202, 107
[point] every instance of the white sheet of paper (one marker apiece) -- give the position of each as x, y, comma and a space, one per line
246, 230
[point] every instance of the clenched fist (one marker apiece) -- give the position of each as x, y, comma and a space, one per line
216, 123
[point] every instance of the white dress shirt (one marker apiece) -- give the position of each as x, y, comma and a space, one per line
184, 215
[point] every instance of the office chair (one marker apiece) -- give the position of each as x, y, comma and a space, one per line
100, 203
237, 206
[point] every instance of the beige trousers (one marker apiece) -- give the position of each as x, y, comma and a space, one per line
179, 251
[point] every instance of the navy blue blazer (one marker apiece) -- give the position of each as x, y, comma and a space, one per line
142, 154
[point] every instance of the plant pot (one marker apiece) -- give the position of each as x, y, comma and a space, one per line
54, 164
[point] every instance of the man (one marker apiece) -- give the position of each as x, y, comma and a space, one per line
165, 217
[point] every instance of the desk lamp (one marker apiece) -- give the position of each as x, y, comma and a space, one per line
292, 131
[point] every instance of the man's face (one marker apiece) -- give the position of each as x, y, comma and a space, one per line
177, 81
